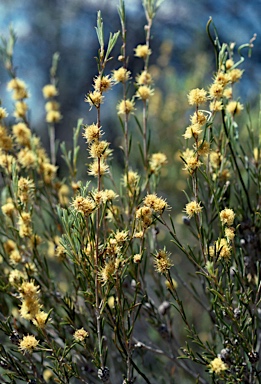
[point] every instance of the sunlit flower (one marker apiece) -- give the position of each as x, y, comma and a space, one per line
144, 92
234, 107
192, 131
3, 113
80, 334
49, 91
156, 161
102, 84
144, 78
217, 366
29, 308
28, 343
137, 258
53, 116
92, 132
162, 261
125, 107
8, 209
28, 290
98, 168
216, 90
107, 272
198, 118
84, 205
98, 148
223, 249
216, 106
20, 109
22, 133
197, 96
156, 203
227, 216
40, 319
142, 51
94, 98
121, 75
235, 75
193, 208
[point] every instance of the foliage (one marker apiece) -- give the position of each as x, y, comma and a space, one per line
90, 289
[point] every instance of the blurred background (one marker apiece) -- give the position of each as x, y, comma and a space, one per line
183, 58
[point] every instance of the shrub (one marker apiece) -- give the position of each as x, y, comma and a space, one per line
90, 290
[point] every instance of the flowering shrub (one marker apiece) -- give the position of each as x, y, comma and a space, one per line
89, 288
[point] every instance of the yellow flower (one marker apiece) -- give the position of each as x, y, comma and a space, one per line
80, 334
27, 158
198, 118
20, 109
203, 148
229, 63
227, 216
121, 236
106, 273
6, 142
234, 107
144, 78
28, 343
16, 276
156, 161
125, 107
19, 88
29, 308
217, 366
28, 290
22, 134
98, 168
25, 189
230, 233
142, 51
92, 132
94, 98
40, 319
102, 84
84, 205
222, 78
121, 75
63, 194
49, 172
24, 224
145, 215
144, 92
216, 90
216, 106
162, 261
197, 96
8, 209
223, 249
235, 75
15, 257
156, 203
52, 106
191, 161
53, 116
192, 131
137, 258
98, 148
49, 91
3, 113
193, 208
228, 93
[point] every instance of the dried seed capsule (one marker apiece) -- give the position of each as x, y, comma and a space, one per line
104, 374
